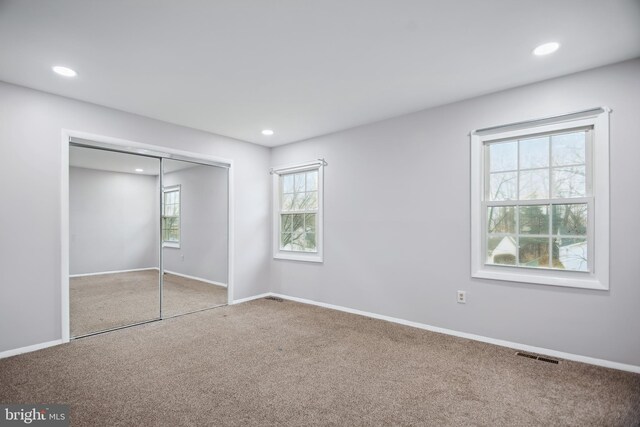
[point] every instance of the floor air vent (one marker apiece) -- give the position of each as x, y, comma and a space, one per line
275, 299
541, 358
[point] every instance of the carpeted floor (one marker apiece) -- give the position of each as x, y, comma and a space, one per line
107, 301
269, 363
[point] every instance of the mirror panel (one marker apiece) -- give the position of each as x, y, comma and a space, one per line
114, 227
194, 236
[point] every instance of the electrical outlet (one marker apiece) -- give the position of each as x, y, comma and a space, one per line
462, 297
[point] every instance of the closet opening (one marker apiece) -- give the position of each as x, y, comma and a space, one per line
148, 235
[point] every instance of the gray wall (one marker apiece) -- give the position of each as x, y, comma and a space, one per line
408, 176
30, 167
113, 221
397, 222
203, 216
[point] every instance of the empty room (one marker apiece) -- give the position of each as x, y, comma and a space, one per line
295, 212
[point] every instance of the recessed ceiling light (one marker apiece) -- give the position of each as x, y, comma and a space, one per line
267, 132
139, 170
64, 71
545, 49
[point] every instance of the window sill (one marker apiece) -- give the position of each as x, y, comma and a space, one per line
299, 256
171, 245
542, 277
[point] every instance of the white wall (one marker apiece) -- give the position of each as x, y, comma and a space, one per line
203, 229
30, 170
397, 233
113, 221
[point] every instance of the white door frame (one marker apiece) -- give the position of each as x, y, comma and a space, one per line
135, 148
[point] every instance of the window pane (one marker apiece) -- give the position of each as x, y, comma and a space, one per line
502, 186
503, 156
170, 228
570, 254
287, 202
534, 153
298, 200
174, 223
310, 242
534, 252
501, 250
534, 184
570, 219
297, 242
285, 241
568, 149
287, 183
286, 222
310, 223
299, 182
569, 182
312, 180
297, 224
501, 219
305, 200
311, 201
534, 219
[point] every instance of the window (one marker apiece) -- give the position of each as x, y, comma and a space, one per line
540, 201
171, 217
298, 212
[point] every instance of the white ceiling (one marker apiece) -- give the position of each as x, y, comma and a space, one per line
300, 67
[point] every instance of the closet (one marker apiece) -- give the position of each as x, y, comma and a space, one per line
148, 236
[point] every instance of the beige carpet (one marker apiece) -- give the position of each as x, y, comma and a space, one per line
108, 301
182, 295
269, 363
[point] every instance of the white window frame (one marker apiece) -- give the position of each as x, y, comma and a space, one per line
170, 189
598, 200
278, 253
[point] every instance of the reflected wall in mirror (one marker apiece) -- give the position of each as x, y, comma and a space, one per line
194, 236
114, 240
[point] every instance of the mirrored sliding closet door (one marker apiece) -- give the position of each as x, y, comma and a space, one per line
195, 206
114, 239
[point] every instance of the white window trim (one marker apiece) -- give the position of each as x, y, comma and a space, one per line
298, 255
598, 277
174, 245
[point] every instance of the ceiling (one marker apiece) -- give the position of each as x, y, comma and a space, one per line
302, 68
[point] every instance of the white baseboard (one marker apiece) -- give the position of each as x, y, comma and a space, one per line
501, 343
29, 348
200, 279
113, 272
240, 301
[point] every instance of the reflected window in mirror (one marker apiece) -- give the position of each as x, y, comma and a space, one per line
171, 217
